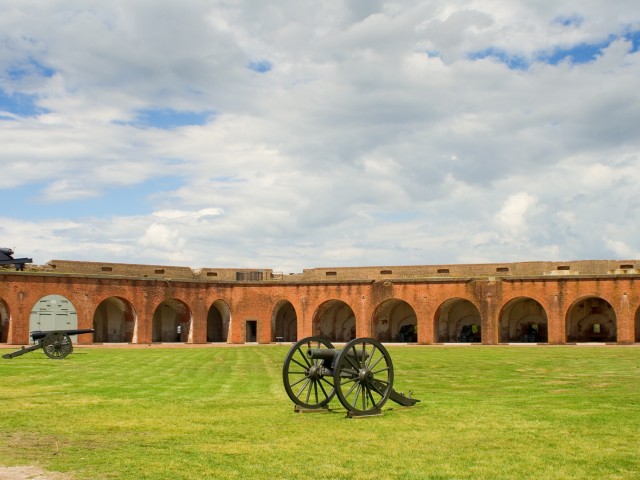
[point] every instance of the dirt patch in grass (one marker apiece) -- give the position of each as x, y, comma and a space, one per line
30, 473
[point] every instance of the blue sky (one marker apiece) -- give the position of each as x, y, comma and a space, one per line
290, 136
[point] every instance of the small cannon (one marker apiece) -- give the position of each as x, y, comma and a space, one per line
6, 258
55, 343
360, 374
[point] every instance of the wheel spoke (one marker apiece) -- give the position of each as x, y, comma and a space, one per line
306, 367
303, 387
322, 388
355, 400
304, 357
299, 381
377, 362
326, 381
386, 369
373, 352
373, 402
309, 392
353, 363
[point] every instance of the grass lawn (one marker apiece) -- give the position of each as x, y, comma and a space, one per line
207, 413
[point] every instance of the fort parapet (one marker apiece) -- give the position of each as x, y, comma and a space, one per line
493, 303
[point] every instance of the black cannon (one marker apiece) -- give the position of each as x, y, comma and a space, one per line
6, 258
360, 374
55, 343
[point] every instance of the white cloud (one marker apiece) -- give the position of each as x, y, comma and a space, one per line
374, 139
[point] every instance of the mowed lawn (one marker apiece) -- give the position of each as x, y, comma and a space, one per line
221, 412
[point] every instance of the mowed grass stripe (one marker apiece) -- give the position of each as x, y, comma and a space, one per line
504, 412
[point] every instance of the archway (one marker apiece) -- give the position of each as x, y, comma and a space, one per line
171, 322
523, 320
591, 319
395, 321
638, 325
114, 321
284, 322
334, 320
53, 312
4, 322
458, 320
218, 322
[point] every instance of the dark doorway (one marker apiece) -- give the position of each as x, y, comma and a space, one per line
252, 331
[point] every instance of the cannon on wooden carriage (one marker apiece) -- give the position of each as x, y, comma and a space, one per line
360, 375
56, 344
6, 258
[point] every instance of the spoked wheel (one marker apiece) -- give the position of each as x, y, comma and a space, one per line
363, 376
308, 382
57, 345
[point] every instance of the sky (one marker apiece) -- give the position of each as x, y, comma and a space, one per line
291, 135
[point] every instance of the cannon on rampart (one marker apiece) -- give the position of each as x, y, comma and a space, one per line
360, 375
56, 344
6, 258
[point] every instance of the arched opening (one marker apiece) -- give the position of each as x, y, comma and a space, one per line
458, 320
395, 321
335, 321
523, 320
171, 322
4, 322
218, 322
53, 312
114, 321
591, 319
638, 325
284, 322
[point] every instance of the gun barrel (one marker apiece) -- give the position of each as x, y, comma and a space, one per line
40, 334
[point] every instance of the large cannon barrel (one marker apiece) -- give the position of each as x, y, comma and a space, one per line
322, 353
39, 334
331, 353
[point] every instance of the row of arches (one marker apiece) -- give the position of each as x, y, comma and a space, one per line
522, 320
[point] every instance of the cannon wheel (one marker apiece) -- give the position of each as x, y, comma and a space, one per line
305, 379
57, 345
363, 376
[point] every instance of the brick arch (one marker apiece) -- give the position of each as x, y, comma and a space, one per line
335, 320
591, 319
637, 326
523, 319
394, 320
5, 319
114, 321
284, 322
167, 317
458, 320
218, 321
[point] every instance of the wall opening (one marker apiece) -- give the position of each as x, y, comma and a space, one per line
458, 320
335, 321
523, 320
218, 322
171, 322
591, 319
4, 322
284, 322
252, 331
395, 321
114, 321
638, 326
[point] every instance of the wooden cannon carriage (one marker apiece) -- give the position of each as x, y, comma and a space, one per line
56, 344
360, 374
